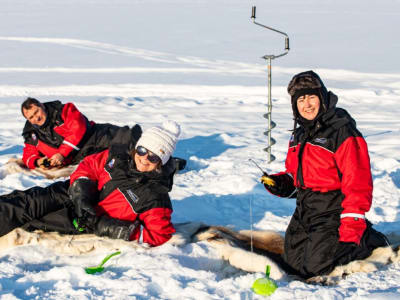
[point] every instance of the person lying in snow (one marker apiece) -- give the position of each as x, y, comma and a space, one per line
112, 193
57, 134
328, 171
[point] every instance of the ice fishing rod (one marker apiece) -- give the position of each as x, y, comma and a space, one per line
256, 164
262, 286
266, 179
269, 59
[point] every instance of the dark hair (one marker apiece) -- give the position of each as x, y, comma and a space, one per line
158, 168
27, 104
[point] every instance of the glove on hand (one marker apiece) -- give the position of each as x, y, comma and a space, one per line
351, 229
115, 228
267, 180
83, 194
280, 185
270, 183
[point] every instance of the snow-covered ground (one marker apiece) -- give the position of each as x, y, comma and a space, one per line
198, 63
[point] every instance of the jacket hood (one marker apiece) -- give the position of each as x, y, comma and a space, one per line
309, 83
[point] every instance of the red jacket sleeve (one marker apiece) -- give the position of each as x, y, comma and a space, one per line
91, 167
158, 228
356, 184
29, 155
73, 129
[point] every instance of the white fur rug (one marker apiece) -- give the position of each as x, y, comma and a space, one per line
16, 165
230, 245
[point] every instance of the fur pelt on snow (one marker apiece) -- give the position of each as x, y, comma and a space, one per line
245, 250
16, 165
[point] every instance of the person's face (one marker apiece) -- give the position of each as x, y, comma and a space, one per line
36, 115
308, 106
143, 164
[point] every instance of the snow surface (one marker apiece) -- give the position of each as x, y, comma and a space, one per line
199, 63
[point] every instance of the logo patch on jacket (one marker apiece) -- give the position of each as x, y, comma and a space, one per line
321, 140
34, 137
111, 163
132, 195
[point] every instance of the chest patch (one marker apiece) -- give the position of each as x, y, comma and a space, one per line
34, 137
132, 195
321, 140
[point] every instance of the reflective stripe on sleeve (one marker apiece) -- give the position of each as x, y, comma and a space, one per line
27, 161
71, 145
352, 215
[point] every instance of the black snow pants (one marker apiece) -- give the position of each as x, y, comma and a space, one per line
37, 208
312, 244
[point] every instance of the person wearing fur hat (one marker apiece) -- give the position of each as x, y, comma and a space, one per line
328, 172
121, 192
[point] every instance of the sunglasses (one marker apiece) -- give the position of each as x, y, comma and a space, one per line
151, 157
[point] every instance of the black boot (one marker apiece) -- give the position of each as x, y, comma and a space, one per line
114, 228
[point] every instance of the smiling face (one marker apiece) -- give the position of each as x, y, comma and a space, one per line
143, 164
308, 106
36, 115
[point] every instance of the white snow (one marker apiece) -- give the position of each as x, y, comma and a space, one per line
199, 63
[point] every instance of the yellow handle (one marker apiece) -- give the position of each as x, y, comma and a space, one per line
267, 180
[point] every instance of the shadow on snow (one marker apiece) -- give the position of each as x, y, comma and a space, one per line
12, 150
231, 210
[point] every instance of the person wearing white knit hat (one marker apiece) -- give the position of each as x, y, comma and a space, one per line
121, 192
156, 145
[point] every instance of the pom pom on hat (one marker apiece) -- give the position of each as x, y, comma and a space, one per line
161, 140
172, 127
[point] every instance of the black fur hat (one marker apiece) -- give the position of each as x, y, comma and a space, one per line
307, 83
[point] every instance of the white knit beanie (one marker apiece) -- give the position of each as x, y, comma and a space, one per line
161, 140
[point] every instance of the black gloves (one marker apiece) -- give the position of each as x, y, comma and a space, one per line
281, 185
115, 228
84, 195
270, 183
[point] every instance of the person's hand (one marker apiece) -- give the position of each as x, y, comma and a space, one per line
271, 184
83, 194
267, 180
40, 163
280, 185
56, 160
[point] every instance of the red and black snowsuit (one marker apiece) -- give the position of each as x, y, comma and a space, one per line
328, 170
124, 193
65, 131
127, 194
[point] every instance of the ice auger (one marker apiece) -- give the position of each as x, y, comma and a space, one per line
269, 58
